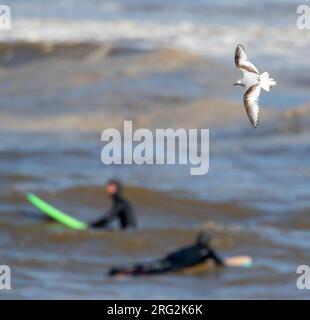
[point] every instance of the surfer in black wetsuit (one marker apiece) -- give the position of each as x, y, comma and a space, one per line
121, 209
186, 257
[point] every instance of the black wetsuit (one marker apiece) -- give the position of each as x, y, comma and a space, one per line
121, 210
183, 258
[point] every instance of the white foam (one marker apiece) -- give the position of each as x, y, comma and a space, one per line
210, 40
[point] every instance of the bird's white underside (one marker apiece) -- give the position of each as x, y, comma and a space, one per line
252, 82
250, 79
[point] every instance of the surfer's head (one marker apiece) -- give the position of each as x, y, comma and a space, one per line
203, 239
113, 188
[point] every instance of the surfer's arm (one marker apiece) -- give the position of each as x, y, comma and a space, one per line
218, 260
101, 223
106, 219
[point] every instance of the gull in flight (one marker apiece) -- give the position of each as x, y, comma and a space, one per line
253, 81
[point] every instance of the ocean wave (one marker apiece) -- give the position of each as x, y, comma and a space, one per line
23, 52
210, 40
295, 121
15, 53
93, 196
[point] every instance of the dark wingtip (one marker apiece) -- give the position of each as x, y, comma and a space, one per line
255, 125
240, 46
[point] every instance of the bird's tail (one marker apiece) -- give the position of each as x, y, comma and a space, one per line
266, 82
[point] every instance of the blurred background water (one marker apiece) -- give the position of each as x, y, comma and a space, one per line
70, 69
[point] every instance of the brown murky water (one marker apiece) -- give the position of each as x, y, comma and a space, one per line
55, 102
49, 261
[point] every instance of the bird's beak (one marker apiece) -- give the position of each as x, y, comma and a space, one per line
235, 84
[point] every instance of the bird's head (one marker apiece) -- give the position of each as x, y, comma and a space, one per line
239, 83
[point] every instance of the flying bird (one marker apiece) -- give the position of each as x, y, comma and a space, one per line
253, 82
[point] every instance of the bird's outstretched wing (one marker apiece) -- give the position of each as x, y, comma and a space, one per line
251, 100
242, 62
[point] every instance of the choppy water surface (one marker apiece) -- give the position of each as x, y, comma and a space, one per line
69, 72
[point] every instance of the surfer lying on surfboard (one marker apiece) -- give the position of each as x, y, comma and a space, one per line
120, 210
185, 258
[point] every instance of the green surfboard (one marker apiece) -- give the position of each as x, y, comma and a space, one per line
56, 214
